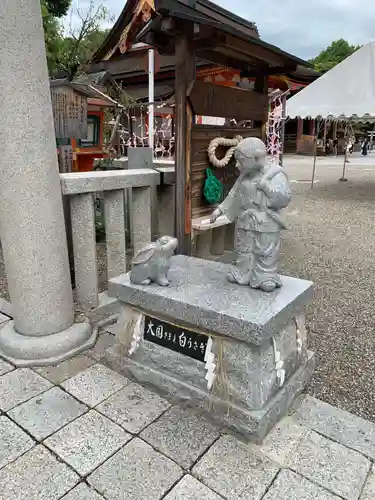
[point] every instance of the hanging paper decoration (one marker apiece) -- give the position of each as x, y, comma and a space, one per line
135, 133
274, 127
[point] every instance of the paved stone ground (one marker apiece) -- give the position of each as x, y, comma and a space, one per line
80, 431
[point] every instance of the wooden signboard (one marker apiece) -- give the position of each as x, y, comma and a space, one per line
208, 99
201, 136
177, 339
65, 159
69, 112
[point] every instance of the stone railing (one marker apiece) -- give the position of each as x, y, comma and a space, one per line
81, 187
140, 201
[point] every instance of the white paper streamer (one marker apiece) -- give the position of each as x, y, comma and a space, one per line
137, 336
300, 333
279, 364
210, 366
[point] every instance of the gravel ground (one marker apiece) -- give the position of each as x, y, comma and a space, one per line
331, 242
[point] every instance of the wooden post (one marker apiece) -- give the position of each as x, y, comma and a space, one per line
185, 74
312, 127
325, 135
314, 163
317, 126
115, 128
299, 129
118, 145
66, 166
299, 132
343, 178
261, 86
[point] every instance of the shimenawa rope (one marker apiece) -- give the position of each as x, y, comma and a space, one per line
222, 141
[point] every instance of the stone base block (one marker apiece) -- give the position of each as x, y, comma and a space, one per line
24, 350
237, 354
218, 240
203, 244
253, 425
107, 307
246, 374
229, 237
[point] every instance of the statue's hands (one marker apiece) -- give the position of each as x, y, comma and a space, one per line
215, 214
264, 185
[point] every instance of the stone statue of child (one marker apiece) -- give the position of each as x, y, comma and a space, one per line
254, 204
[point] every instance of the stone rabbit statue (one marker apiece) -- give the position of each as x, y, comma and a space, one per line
152, 262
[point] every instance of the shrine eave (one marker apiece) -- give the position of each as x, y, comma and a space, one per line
216, 36
130, 71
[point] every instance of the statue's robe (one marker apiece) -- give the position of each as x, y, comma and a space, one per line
258, 226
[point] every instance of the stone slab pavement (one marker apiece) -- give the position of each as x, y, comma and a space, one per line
80, 431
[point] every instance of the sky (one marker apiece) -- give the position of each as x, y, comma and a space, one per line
301, 27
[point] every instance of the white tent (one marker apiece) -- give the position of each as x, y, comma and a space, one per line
346, 91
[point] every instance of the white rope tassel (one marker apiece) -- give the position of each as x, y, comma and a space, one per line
299, 341
300, 333
137, 336
210, 366
279, 364
222, 141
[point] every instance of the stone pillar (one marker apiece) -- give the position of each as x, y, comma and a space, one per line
32, 228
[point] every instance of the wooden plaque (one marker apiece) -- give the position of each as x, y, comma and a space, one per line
208, 99
69, 113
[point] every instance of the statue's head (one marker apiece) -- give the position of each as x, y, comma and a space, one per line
167, 244
250, 155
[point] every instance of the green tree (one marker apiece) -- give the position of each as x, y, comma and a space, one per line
83, 39
58, 8
333, 54
52, 37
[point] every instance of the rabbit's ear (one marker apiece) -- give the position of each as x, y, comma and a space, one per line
144, 254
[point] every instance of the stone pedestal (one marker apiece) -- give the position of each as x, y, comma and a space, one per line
254, 343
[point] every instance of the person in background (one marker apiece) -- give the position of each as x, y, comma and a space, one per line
364, 147
335, 146
327, 147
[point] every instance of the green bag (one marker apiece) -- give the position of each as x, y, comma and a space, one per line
213, 188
